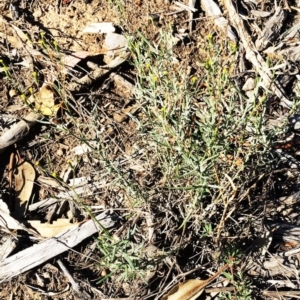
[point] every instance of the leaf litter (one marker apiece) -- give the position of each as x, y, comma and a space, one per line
266, 226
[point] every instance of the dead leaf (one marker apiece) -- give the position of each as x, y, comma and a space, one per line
48, 230
189, 290
192, 289
24, 181
45, 102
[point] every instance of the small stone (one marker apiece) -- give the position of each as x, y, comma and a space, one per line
249, 85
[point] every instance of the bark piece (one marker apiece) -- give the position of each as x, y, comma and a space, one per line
271, 30
34, 256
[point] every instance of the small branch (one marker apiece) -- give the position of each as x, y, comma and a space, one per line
18, 131
34, 256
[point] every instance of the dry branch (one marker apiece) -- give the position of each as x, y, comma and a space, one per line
34, 256
87, 80
18, 131
255, 58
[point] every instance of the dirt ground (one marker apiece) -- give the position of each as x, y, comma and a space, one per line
268, 199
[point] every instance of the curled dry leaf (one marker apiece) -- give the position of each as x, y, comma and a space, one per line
50, 230
24, 181
189, 290
44, 101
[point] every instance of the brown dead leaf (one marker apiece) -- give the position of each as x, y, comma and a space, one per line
24, 181
45, 102
189, 290
48, 230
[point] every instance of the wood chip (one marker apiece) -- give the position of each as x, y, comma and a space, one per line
271, 30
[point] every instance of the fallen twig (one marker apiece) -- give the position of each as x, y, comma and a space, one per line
74, 285
18, 131
34, 256
96, 74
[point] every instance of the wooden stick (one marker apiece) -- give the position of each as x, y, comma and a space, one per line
34, 256
18, 131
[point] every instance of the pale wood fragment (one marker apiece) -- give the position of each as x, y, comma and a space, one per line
212, 9
271, 30
34, 256
8, 245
